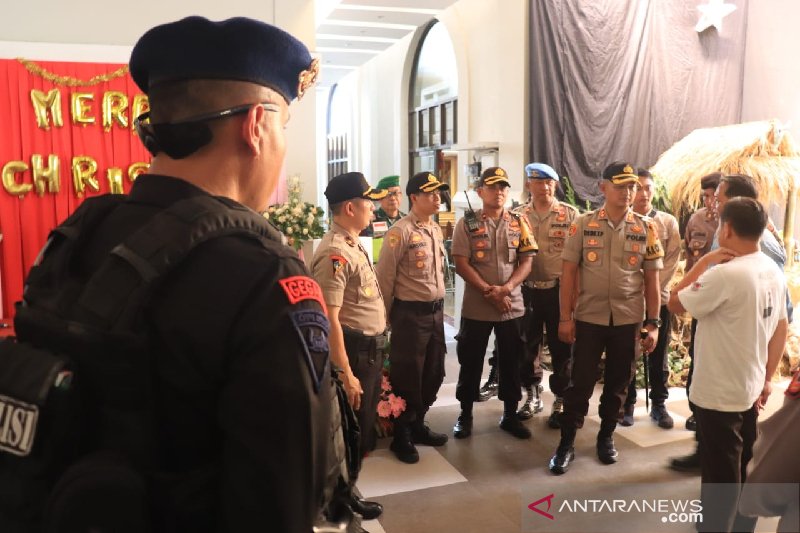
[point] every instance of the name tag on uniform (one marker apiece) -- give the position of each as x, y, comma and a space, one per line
17, 426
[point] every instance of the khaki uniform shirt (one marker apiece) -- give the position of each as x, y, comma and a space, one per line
550, 232
343, 270
610, 262
412, 262
670, 236
493, 250
699, 235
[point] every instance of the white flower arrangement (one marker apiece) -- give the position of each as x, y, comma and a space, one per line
299, 221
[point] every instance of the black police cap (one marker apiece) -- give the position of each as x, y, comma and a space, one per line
238, 48
620, 173
425, 182
351, 185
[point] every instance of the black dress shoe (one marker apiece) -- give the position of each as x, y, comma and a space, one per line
691, 423
463, 427
422, 434
368, 510
559, 463
513, 425
688, 463
606, 451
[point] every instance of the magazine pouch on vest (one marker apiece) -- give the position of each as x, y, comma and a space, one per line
77, 420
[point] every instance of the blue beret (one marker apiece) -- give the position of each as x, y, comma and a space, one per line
540, 171
238, 48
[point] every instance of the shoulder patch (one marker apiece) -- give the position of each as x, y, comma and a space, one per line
299, 288
394, 239
312, 328
338, 263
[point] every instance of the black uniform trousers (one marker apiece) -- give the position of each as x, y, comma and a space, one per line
416, 355
473, 338
619, 343
727, 439
542, 309
657, 364
366, 362
692, 355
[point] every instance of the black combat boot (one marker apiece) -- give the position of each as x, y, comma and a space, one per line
554, 421
533, 402
565, 453
402, 446
489, 388
606, 451
422, 434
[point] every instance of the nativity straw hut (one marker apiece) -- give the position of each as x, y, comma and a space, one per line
764, 150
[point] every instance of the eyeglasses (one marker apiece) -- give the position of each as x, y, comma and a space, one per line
395, 194
143, 120
182, 137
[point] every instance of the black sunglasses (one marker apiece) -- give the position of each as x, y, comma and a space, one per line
183, 137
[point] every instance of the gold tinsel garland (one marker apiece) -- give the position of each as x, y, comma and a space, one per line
69, 81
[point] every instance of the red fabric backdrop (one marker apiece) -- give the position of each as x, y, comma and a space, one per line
25, 222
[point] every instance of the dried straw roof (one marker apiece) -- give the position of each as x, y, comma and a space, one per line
763, 150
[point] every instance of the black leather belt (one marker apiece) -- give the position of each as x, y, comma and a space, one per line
421, 307
541, 285
366, 342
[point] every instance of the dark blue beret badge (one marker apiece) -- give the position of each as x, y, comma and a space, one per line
312, 328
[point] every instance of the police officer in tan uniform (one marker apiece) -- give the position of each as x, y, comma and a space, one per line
613, 255
698, 237
411, 277
492, 249
355, 308
670, 237
703, 223
357, 316
549, 220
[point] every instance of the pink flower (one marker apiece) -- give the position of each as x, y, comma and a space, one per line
384, 409
385, 385
397, 404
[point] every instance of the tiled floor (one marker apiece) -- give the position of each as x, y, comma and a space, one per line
484, 484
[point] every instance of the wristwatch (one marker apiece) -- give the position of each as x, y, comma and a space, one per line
654, 321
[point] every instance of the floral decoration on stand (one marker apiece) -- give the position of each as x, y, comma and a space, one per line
389, 406
299, 221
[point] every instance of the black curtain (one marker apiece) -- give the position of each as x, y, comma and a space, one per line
625, 79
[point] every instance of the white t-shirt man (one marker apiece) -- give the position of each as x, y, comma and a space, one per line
737, 306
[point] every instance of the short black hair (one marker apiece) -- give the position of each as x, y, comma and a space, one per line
746, 216
336, 208
644, 173
739, 185
711, 181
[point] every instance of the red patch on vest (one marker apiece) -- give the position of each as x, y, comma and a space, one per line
299, 288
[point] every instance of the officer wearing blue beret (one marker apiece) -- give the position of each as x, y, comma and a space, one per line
236, 334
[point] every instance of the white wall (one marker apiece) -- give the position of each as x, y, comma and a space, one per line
490, 41
100, 31
771, 69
